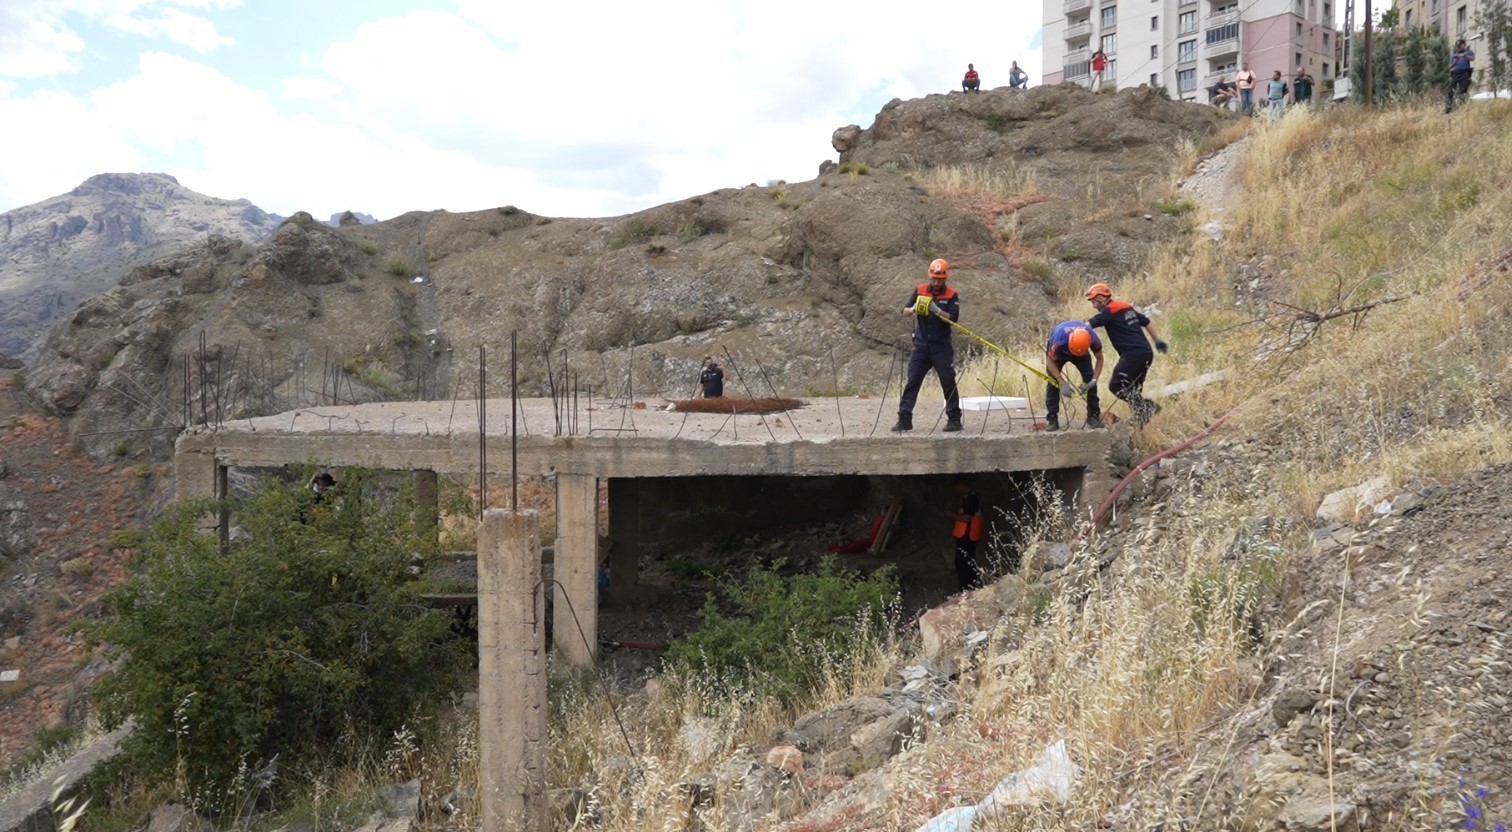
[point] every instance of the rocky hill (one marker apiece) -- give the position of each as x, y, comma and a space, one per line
63, 250
1018, 190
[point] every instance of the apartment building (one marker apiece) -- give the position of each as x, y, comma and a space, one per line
1455, 18
1187, 44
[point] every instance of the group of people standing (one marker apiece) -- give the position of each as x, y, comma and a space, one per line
972, 82
1275, 90
936, 308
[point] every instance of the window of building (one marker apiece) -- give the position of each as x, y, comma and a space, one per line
1409, 23
1297, 59
1188, 23
1325, 69
1186, 80
1328, 11
1459, 20
1154, 79
1109, 43
1110, 16
1227, 68
1299, 29
1435, 9
1112, 73
1436, 28
1186, 51
1325, 39
1154, 22
1154, 51
1218, 34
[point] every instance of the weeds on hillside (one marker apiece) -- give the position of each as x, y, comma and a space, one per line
1006, 179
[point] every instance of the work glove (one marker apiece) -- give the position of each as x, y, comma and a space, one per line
1089, 386
934, 308
1161, 346
1069, 389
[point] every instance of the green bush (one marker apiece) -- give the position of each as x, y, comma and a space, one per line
397, 266
1176, 207
367, 246
784, 633
302, 642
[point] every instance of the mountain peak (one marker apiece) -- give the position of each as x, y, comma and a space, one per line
125, 183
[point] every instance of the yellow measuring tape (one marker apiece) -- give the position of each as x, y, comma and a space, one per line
921, 307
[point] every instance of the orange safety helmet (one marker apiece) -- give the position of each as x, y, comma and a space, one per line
939, 268
1099, 290
1079, 342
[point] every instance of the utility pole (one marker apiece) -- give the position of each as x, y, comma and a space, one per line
1369, 61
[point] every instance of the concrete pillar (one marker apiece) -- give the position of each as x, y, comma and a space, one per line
624, 532
223, 513
194, 474
511, 673
575, 567
427, 506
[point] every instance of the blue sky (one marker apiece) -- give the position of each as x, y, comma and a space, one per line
581, 109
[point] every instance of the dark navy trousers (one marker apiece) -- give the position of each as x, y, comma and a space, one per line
940, 356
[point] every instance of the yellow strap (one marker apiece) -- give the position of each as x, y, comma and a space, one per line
986, 343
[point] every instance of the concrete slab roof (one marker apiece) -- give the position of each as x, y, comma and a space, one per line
825, 436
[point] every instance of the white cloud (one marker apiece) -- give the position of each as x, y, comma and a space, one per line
37, 40
193, 31
597, 108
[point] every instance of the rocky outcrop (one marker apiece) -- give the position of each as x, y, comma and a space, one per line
58, 252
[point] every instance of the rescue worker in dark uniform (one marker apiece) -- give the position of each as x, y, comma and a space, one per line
710, 380
1074, 343
932, 304
1127, 329
967, 532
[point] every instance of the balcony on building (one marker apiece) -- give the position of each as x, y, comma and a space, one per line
1221, 41
1078, 70
1077, 8
1079, 31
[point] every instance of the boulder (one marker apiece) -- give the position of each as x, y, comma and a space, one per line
832, 728
752, 793
400, 800
8, 363
786, 759
880, 741
1346, 504
943, 629
844, 138
1290, 703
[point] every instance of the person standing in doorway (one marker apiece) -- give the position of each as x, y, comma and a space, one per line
966, 532
1461, 65
934, 306
710, 380
1245, 80
1099, 66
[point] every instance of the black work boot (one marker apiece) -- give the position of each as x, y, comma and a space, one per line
952, 423
1094, 423
905, 422
1052, 424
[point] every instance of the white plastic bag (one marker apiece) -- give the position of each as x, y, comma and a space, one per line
1051, 778
958, 819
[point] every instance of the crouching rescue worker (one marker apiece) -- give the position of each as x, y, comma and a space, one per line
933, 304
1074, 343
967, 532
1127, 329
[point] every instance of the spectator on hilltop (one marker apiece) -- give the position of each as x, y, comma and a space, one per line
1099, 66
1461, 64
1302, 87
1275, 94
1245, 80
1221, 92
1017, 78
972, 82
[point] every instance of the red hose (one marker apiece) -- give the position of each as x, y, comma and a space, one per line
1107, 505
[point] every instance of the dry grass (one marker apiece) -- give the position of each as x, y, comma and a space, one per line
1001, 179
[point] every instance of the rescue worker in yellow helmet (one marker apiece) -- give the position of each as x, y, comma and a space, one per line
932, 304
1073, 342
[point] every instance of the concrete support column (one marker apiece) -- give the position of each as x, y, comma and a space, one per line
194, 474
575, 567
427, 506
511, 673
223, 514
624, 532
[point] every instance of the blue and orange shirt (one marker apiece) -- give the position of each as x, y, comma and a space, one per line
1060, 337
930, 329
1125, 327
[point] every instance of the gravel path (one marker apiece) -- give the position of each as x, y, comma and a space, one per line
1215, 185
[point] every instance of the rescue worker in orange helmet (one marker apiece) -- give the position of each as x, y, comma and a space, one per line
1073, 342
967, 532
1128, 330
932, 347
